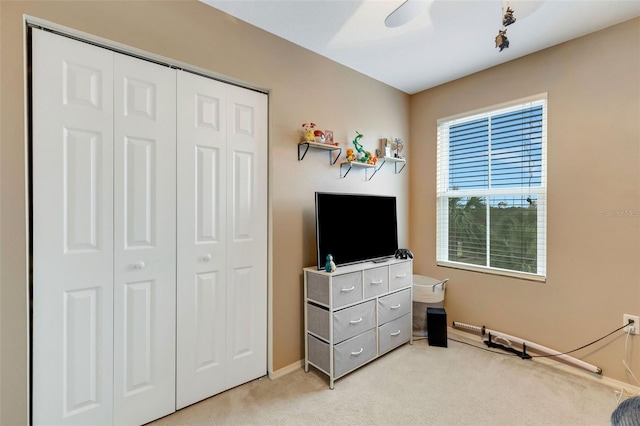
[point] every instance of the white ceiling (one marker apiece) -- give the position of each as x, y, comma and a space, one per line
447, 40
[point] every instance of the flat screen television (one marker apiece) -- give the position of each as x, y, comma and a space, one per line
355, 228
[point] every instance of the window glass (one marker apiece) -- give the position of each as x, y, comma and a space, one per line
492, 189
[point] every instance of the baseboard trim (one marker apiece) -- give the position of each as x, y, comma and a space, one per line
602, 379
274, 375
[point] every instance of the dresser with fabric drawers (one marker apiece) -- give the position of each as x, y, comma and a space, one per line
356, 314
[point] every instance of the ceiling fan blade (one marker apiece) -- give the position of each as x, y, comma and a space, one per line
405, 13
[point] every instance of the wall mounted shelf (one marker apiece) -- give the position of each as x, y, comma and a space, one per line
316, 145
348, 165
395, 161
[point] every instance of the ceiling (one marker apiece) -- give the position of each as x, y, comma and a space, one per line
446, 40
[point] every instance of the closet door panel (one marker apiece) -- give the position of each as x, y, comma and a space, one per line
145, 217
202, 223
112, 195
72, 232
247, 235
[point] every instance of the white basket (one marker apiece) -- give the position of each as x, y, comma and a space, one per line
428, 290
427, 293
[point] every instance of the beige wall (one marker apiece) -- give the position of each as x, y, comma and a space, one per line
594, 167
303, 86
593, 266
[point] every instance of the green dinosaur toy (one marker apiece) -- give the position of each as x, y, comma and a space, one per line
365, 155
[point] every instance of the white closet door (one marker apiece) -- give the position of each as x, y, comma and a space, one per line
202, 259
222, 248
145, 232
246, 235
72, 174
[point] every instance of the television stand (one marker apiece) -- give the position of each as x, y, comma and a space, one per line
356, 314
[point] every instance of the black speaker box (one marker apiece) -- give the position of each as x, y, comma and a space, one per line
437, 327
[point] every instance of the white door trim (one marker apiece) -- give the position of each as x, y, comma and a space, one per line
32, 21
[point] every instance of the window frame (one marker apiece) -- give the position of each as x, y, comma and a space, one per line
444, 194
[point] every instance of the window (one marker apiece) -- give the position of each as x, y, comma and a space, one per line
491, 191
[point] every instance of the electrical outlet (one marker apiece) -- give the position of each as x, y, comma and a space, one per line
632, 328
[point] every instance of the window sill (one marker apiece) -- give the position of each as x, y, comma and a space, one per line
493, 271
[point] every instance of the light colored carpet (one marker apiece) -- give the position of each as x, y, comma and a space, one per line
415, 385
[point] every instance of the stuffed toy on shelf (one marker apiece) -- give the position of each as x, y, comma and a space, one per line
309, 135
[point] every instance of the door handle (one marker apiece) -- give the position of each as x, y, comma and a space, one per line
207, 257
139, 265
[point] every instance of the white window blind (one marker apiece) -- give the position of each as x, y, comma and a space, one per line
491, 195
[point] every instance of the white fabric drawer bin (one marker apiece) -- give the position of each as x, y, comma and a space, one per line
394, 333
352, 321
400, 275
346, 289
347, 355
354, 352
376, 281
343, 290
347, 322
394, 306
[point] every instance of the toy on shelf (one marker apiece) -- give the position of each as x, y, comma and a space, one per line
309, 134
319, 136
362, 155
350, 155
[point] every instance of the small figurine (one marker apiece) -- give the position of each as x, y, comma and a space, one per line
309, 135
508, 18
372, 160
362, 155
501, 40
330, 266
319, 136
350, 155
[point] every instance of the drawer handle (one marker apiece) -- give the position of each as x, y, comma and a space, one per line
348, 289
401, 275
395, 306
396, 333
355, 321
376, 282
357, 352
